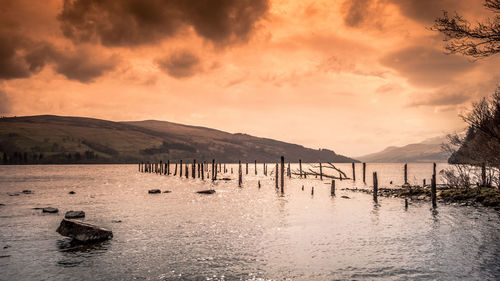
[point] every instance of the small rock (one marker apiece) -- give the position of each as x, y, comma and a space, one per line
50, 210
37, 208
1, 204
116, 221
71, 192
167, 191
226, 179
83, 232
4, 256
27, 191
6, 246
209, 191
345, 197
13, 194
154, 191
74, 214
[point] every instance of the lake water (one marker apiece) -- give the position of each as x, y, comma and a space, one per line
238, 233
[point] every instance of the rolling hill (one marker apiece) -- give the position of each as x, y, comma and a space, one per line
56, 139
426, 151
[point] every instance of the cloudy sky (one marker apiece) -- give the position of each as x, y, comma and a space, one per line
352, 76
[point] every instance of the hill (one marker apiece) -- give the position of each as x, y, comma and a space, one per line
426, 151
57, 139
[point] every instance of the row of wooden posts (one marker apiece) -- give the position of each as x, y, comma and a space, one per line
201, 168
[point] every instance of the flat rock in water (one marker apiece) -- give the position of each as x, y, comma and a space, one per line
71, 192
209, 191
27, 191
167, 191
154, 191
50, 210
13, 194
345, 197
74, 214
116, 221
83, 232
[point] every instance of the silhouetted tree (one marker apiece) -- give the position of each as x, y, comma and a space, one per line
478, 41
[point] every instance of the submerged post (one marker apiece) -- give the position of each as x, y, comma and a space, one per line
213, 169
180, 169
483, 175
332, 192
282, 174
289, 171
187, 171
255, 167
353, 172
375, 186
300, 168
240, 176
364, 172
194, 169
320, 171
246, 168
175, 171
258, 183
202, 172
433, 191
406, 173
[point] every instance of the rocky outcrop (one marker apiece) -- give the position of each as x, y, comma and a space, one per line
83, 232
74, 214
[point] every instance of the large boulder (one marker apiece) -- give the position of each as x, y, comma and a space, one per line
74, 214
83, 232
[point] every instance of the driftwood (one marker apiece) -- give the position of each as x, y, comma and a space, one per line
327, 166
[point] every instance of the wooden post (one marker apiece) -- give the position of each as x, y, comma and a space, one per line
213, 169
282, 174
406, 203
175, 171
161, 167
258, 183
375, 187
423, 184
202, 172
240, 174
312, 190
406, 173
300, 168
168, 167
180, 169
321, 171
199, 170
264, 166
277, 174
289, 171
246, 169
302, 187
187, 171
139, 167
231, 170
434, 168
433, 191
194, 169
364, 172
353, 172
255, 167
333, 188
225, 171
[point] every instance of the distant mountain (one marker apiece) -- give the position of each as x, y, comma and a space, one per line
56, 139
428, 150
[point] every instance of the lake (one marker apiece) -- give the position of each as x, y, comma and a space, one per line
239, 233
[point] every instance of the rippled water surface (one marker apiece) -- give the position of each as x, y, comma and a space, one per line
238, 233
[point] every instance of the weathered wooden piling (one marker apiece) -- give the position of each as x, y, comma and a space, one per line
187, 171
139, 167
364, 172
302, 187
353, 172
406, 174
175, 170
277, 174
312, 190
202, 172
161, 167
214, 170
300, 168
258, 183
332, 192
180, 169
240, 174
246, 169
423, 183
231, 170
193, 171
483, 175
433, 168
199, 170
321, 171
225, 171
168, 167
433, 191
282, 174
406, 203
255, 167
375, 186
289, 171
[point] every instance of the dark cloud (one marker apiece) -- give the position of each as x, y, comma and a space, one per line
19, 58
357, 11
135, 22
426, 66
440, 98
5, 103
180, 64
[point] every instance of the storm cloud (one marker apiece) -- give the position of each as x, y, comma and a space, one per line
181, 64
137, 22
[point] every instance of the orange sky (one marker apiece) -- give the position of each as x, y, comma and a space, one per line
353, 76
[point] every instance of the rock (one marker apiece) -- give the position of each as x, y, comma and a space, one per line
167, 191
226, 179
1, 204
71, 192
209, 191
4, 256
50, 210
74, 214
116, 221
27, 191
154, 191
83, 232
13, 194
345, 197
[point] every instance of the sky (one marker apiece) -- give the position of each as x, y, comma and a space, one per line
352, 76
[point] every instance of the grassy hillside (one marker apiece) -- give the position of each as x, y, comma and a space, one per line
55, 139
423, 152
